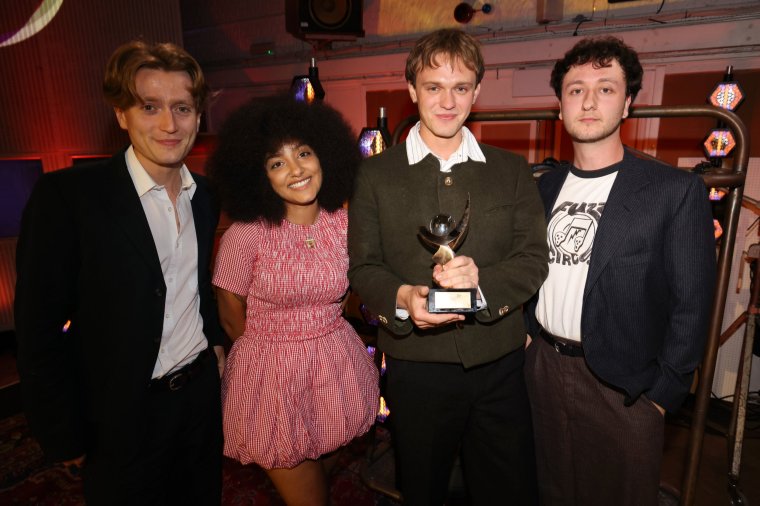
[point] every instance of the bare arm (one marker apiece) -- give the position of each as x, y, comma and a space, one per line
231, 312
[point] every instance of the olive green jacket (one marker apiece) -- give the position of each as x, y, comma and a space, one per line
506, 240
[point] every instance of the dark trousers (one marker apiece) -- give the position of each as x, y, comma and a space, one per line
178, 459
590, 448
438, 410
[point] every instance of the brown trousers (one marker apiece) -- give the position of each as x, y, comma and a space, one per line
590, 448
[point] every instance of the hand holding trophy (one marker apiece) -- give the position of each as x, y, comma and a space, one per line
443, 233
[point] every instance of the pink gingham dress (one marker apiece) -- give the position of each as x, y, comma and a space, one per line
298, 383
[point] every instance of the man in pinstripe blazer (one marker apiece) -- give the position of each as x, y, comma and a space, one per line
620, 323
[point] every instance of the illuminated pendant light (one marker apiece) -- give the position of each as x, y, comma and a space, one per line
308, 88
374, 140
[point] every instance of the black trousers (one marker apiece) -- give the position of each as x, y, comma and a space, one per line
178, 459
591, 449
438, 410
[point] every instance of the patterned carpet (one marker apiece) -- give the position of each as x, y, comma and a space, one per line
26, 479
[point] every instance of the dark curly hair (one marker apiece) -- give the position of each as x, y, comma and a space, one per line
258, 129
600, 51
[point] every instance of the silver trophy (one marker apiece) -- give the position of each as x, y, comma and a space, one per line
446, 235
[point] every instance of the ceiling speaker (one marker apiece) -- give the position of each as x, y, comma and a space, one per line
324, 19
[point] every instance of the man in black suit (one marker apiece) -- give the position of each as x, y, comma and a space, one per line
119, 343
620, 323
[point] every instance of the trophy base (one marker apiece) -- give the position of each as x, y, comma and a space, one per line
452, 300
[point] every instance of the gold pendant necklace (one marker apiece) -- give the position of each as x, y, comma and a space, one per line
310, 241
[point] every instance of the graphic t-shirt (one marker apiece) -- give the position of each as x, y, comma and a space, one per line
570, 233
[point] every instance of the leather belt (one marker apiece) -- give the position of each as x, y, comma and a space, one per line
175, 380
563, 346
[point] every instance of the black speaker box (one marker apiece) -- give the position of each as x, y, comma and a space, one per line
324, 19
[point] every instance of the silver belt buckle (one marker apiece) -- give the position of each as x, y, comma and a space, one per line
177, 381
556, 346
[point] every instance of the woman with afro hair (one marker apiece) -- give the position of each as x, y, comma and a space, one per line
298, 384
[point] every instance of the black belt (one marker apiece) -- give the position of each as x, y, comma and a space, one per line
177, 379
563, 346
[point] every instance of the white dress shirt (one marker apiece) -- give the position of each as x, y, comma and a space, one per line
416, 149
182, 337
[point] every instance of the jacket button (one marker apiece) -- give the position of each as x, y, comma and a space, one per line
460, 325
503, 310
448, 181
159, 292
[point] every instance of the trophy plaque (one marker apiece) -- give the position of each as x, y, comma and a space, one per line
444, 234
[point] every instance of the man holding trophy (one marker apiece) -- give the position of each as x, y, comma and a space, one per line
451, 325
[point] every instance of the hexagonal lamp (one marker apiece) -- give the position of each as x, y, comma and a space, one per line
727, 95
719, 143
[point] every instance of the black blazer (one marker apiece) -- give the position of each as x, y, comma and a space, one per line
646, 302
86, 254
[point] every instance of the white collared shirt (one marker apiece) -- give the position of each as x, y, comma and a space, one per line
468, 149
182, 337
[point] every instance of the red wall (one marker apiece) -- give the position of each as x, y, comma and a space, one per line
50, 98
